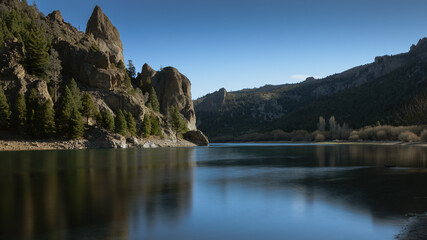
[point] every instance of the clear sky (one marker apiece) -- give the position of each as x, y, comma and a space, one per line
249, 43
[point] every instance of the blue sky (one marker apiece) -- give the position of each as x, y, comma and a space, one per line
249, 43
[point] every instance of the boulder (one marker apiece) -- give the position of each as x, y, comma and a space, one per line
106, 35
173, 88
196, 137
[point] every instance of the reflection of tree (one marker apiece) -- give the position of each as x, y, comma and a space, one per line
59, 192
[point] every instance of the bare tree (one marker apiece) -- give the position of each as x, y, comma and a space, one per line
321, 126
53, 71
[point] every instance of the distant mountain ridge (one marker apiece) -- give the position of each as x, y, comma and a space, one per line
362, 95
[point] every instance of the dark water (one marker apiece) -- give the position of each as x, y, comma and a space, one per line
248, 191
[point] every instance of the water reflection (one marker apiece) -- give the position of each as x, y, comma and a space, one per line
52, 194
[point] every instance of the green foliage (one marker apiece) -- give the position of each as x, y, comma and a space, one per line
107, 121
76, 128
75, 91
121, 124
146, 85
177, 120
415, 112
121, 65
94, 48
88, 107
131, 70
153, 102
4, 110
37, 56
19, 113
32, 107
146, 126
65, 109
155, 127
131, 126
46, 120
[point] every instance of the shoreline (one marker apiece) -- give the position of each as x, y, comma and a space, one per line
342, 142
16, 144
53, 144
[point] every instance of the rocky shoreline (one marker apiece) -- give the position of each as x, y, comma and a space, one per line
39, 144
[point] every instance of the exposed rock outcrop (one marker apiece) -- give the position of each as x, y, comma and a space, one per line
106, 35
173, 88
211, 102
196, 137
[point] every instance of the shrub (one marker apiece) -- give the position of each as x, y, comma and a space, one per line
408, 136
354, 137
300, 135
381, 135
319, 137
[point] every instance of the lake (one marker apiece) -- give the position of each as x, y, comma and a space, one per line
225, 191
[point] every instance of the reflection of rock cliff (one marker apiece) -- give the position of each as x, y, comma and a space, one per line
93, 188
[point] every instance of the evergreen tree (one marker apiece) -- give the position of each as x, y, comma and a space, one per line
47, 120
107, 121
146, 85
4, 110
131, 126
53, 72
66, 107
32, 107
153, 102
131, 71
76, 125
155, 127
146, 126
177, 120
75, 91
19, 114
121, 125
37, 56
88, 107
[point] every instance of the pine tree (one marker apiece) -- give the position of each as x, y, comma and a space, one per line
107, 121
146, 85
121, 125
155, 127
33, 104
53, 72
76, 125
153, 102
4, 110
75, 91
131, 71
19, 114
37, 56
146, 126
47, 120
88, 107
66, 107
131, 124
177, 120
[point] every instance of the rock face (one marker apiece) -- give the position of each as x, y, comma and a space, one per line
211, 102
196, 137
173, 88
106, 35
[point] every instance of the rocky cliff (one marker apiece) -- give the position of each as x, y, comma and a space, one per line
95, 60
360, 96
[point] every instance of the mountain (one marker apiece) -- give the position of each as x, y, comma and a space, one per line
46, 53
360, 96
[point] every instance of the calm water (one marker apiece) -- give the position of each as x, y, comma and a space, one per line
226, 191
